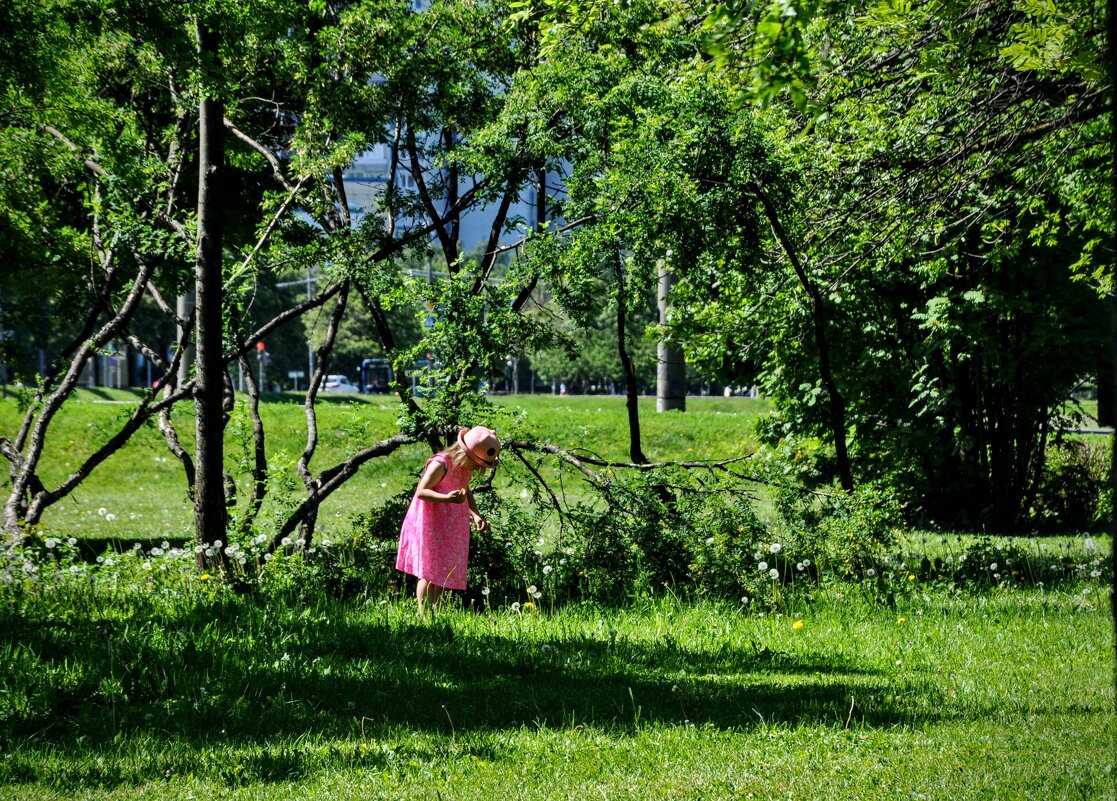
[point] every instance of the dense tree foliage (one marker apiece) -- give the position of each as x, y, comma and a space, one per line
892, 214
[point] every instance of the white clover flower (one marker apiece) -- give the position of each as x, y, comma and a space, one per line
775, 547
774, 574
547, 569
762, 566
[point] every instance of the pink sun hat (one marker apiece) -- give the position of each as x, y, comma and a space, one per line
480, 443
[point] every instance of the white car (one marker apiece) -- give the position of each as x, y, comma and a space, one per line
337, 383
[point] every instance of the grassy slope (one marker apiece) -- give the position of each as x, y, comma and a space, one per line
143, 487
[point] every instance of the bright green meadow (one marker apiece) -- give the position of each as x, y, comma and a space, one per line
147, 680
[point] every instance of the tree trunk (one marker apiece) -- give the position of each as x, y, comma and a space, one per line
209, 494
670, 379
632, 391
836, 405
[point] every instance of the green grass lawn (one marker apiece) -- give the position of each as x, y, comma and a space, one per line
148, 680
139, 494
173, 689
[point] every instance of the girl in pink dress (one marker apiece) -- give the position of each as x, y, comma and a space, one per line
434, 539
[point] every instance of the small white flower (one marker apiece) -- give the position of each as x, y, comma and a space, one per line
806, 563
156, 551
547, 569
537, 595
562, 561
870, 572
72, 541
51, 542
100, 559
531, 589
136, 547
545, 649
285, 541
800, 567
267, 557
165, 545
775, 547
744, 599
102, 511
762, 566
485, 591
75, 569
516, 606
993, 566
326, 543
300, 543
774, 574
217, 543
1095, 574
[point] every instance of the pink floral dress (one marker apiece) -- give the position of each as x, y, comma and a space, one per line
434, 539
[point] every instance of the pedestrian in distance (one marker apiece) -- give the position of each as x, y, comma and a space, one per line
434, 538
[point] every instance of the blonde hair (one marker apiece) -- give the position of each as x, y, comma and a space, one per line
459, 456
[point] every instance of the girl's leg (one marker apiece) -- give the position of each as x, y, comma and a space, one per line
426, 591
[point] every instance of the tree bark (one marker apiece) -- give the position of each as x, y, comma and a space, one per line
209, 494
670, 379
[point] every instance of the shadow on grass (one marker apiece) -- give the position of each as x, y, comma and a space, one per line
264, 682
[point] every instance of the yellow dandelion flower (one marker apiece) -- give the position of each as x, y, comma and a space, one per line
206, 577
528, 606
901, 619
911, 577
798, 624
